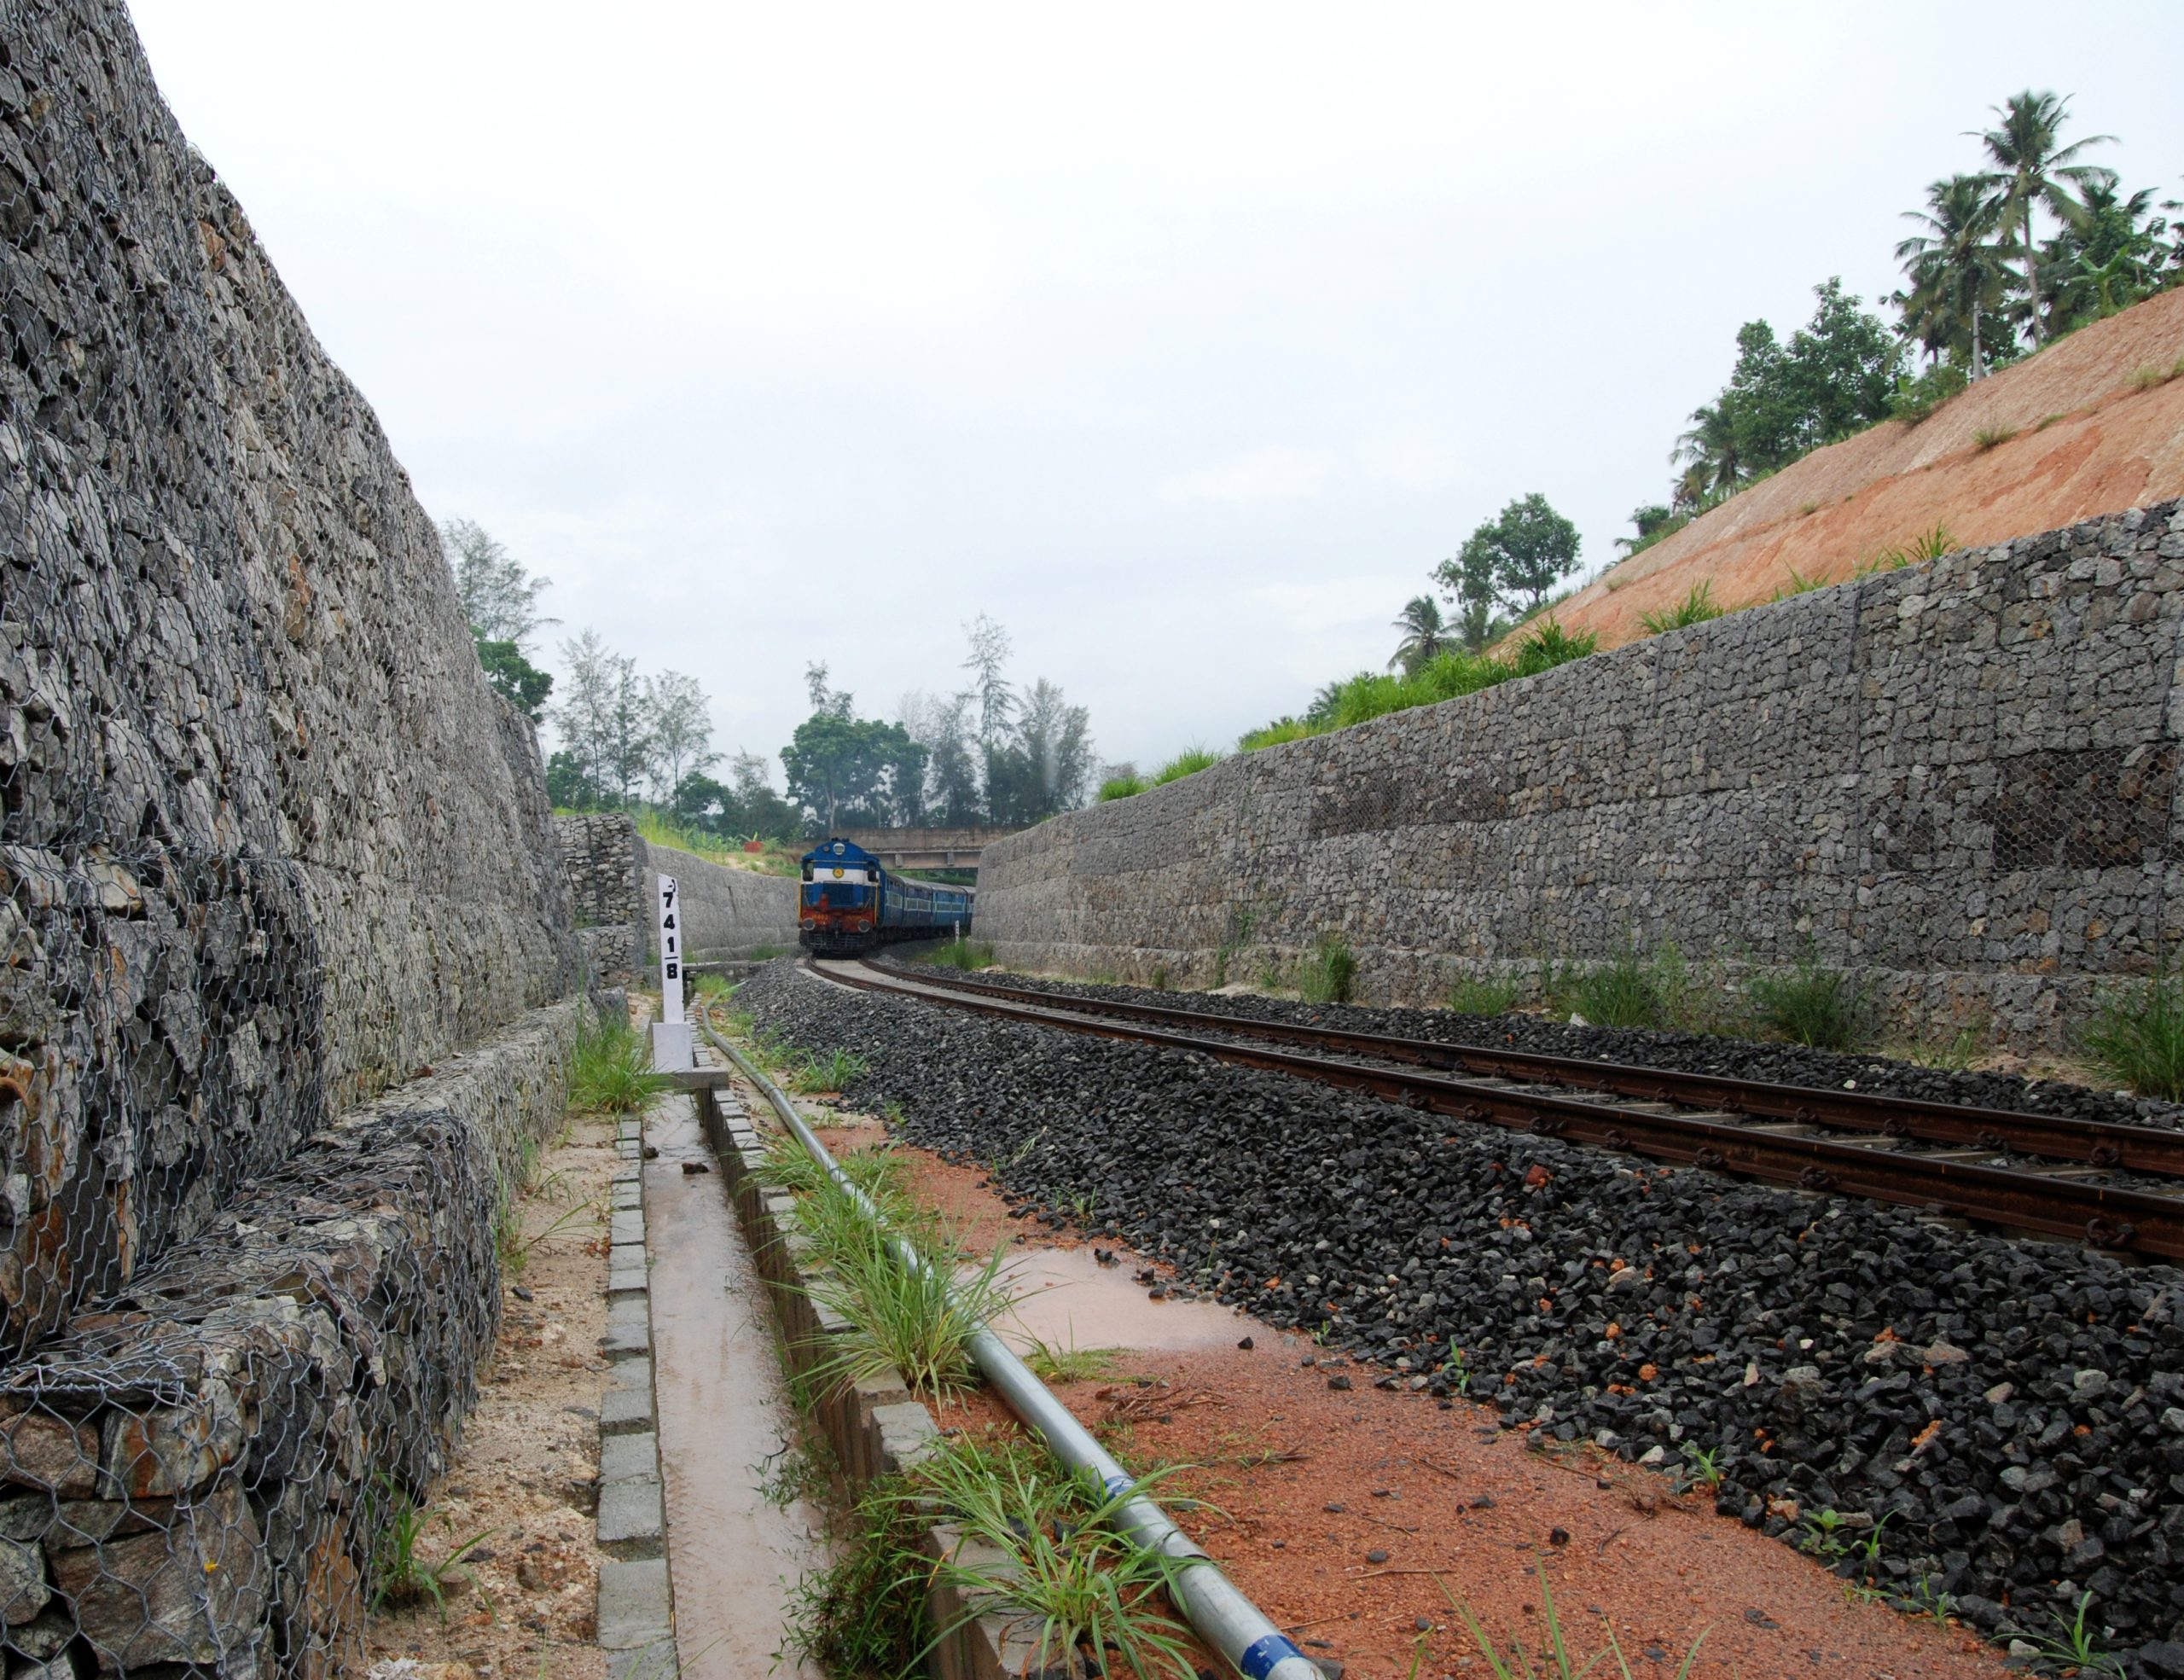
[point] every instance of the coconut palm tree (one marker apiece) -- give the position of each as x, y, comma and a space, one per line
1956, 274
1425, 633
2031, 169
1710, 447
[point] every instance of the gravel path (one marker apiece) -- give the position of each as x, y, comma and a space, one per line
1692, 1052
2011, 1413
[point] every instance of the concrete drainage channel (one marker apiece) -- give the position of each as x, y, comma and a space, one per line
636, 1620
875, 1427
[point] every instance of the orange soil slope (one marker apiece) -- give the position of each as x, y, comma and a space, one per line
2088, 442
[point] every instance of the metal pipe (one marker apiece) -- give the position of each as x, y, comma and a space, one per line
1220, 1615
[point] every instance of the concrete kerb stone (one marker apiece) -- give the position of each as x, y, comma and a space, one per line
876, 1427
635, 1613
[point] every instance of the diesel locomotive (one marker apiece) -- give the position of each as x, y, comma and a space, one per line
848, 904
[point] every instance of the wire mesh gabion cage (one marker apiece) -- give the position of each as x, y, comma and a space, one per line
267, 849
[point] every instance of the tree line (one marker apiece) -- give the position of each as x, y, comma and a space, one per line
2006, 257
2037, 242
985, 752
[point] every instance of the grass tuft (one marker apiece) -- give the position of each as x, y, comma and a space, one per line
400, 1573
610, 1069
1471, 995
834, 1072
1624, 991
1543, 645
1993, 437
1051, 1363
2138, 1038
964, 954
1812, 1004
1328, 971
917, 1322
1122, 787
1188, 762
1695, 608
1553, 1660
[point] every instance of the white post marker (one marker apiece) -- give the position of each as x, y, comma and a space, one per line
671, 1050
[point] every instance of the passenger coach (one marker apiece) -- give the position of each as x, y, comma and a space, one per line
848, 903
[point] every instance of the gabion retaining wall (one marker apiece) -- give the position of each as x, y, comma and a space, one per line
193, 1472
728, 914
286, 946
1958, 778
268, 844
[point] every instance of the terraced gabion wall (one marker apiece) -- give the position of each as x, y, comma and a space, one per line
285, 940
1958, 779
604, 860
728, 914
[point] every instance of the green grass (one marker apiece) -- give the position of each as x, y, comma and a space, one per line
1992, 436
833, 1071
2072, 1647
399, 1572
1051, 1363
917, 1323
1926, 546
1122, 787
610, 1069
1188, 762
2152, 378
1473, 996
1448, 676
2137, 1038
1069, 1579
864, 1612
964, 954
1798, 585
1695, 608
1622, 991
1328, 971
1811, 1004
1554, 1659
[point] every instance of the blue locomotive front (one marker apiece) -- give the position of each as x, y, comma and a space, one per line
847, 904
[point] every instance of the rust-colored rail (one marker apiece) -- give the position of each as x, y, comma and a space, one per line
2024, 1199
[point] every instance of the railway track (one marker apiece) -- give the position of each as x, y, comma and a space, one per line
2113, 1187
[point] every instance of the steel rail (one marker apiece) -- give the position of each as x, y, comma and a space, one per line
2104, 1216
1212, 1603
2151, 1149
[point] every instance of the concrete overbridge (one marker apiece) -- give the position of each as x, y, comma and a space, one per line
926, 848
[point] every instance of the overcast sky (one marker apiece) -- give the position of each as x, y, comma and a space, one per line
1184, 339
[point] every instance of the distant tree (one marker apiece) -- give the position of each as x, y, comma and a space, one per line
1840, 369
514, 678
1469, 582
499, 597
837, 764
941, 724
2111, 258
1646, 522
986, 662
603, 722
1709, 450
1517, 557
2032, 170
1834, 376
1957, 271
679, 727
1045, 765
500, 600
1425, 633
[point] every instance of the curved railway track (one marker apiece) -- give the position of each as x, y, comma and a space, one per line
2023, 1172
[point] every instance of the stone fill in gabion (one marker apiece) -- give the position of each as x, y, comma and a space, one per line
283, 926
2011, 1415
1958, 779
